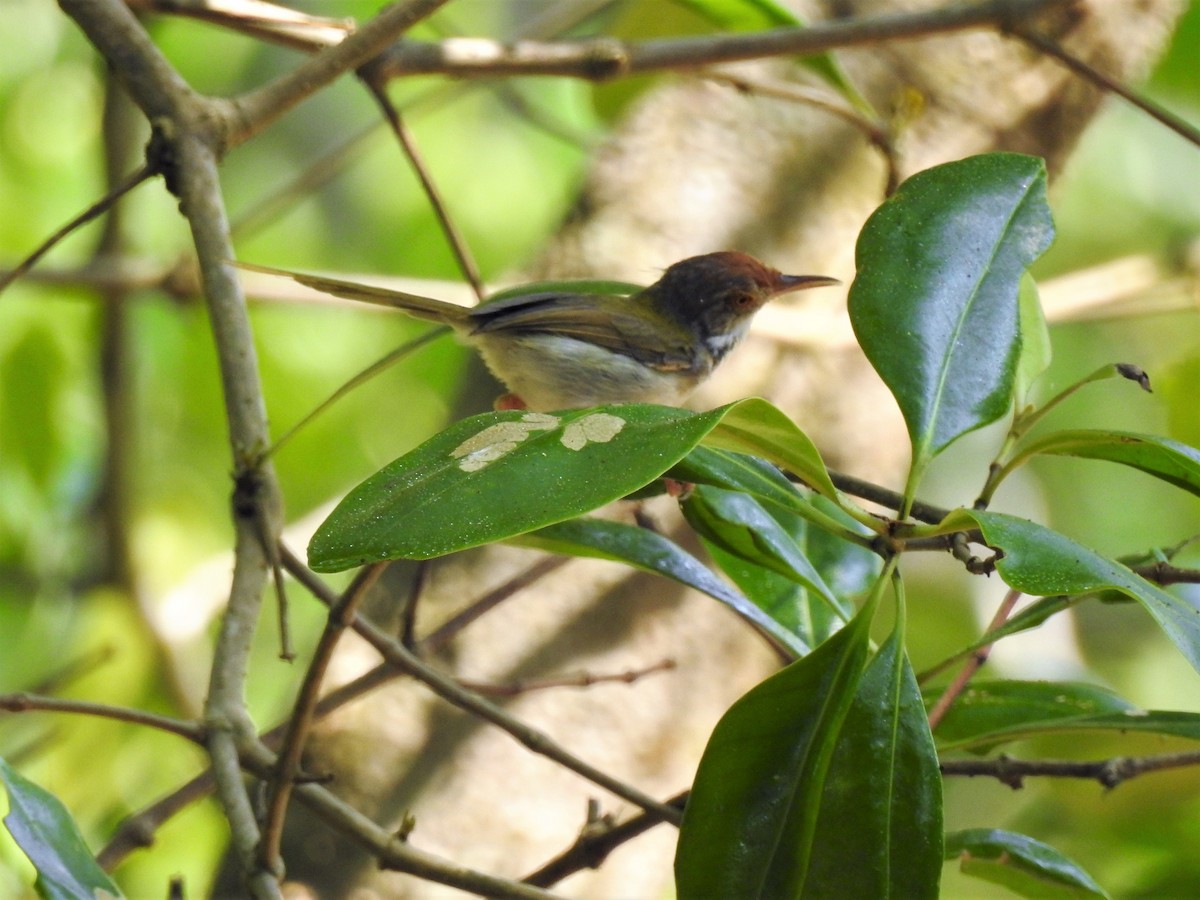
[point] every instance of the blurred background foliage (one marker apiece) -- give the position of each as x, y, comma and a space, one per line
508, 158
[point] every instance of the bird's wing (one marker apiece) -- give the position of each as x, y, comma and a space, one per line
584, 318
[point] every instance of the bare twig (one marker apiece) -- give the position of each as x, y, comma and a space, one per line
583, 680
443, 634
341, 614
25, 702
1109, 772
973, 664
1081, 68
605, 58
449, 690
96, 209
454, 237
595, 843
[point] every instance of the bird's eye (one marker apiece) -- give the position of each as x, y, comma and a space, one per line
742, 301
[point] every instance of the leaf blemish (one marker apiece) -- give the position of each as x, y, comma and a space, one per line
496, 441
598, 428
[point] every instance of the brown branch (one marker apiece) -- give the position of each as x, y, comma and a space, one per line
1081, 68
25, 702
598, 839
1108, 772
602, 59
138, 830
254, 111
458, 244
341, 614
583, 680
449, 690
445, 633
98, 208
973, 664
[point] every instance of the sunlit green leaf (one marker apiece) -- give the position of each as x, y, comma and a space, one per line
1020, 863
935, 302
1035, 340
749, 827
498, 475
755, 426
651, 552
48, 835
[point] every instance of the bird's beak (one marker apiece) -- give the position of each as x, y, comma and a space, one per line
785, 284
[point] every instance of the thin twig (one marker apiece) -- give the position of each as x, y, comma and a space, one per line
454, 237
876, 132
25, 702
582, 680
595, 844
449, 690
602, 59
973, 664
95, 210
1056, 51
138, 830
341, 614
445, 633
1109, 772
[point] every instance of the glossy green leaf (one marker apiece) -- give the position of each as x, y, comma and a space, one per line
847, 569
48, 835
1165, 459
1020, 863
497, 475
994, 712
651, 552
879, 833
739, 525
755, 426
1038, 560
935, 302
749, 827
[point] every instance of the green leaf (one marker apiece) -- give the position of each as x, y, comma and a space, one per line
1035, 340
651, 552
497, 475
1165, 459
739, 525
750, 824
755, 426
935, 302
1040, 561
995, 712
848, 570
47, 834
879, 833
1025, 866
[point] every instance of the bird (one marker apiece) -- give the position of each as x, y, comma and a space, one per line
573, 345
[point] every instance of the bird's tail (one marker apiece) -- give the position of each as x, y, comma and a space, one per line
414, 304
